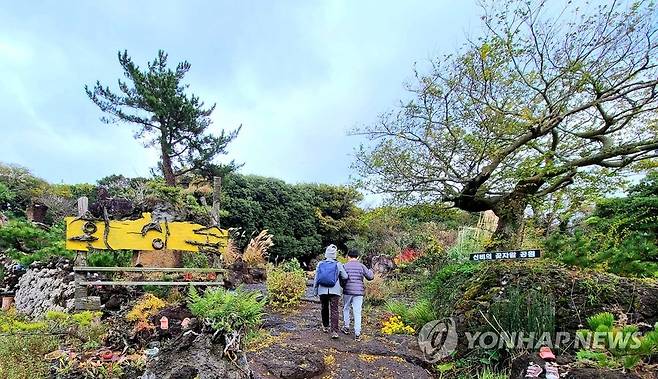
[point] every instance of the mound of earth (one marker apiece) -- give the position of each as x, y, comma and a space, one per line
471, 295
577, 294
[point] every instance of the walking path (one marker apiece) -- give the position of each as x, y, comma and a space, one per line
298, 349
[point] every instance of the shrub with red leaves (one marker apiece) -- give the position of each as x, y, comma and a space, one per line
407, 256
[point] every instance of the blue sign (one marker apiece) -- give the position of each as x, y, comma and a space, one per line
510, 254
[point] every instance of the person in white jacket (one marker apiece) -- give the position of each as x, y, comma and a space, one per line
329, 294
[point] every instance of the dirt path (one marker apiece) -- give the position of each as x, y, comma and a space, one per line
298, 349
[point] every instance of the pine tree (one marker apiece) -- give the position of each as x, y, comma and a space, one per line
168, 117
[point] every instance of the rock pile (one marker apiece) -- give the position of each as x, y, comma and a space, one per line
12, 273
46, 286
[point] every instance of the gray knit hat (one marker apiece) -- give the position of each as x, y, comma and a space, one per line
330, 252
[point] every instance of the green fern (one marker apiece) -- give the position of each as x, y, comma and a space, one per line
227, 311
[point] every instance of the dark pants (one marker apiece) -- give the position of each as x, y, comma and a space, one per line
327, 302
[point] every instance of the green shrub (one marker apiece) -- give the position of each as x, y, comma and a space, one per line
600, 359
7, 196
605, 319
433, 258
286, 284
469, 240
10, 322
621, 346
634, 254
398, 308
447, 284
421, 313
25, 242
21, 356
83, 327
619, 237
415, 315
195, 260
227, 311
20, 187
102, 258
23, 343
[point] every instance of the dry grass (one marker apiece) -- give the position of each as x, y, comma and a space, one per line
377, 292
256, 252
232, 253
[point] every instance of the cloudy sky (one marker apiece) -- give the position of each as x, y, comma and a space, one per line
296, 74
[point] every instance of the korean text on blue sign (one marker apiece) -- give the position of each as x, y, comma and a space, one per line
511, 254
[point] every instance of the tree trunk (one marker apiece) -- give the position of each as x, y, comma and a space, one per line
167, 170
511, 214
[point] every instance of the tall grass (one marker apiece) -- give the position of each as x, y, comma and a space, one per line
256, 252
525, 311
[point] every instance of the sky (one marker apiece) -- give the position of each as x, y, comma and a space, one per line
297, 75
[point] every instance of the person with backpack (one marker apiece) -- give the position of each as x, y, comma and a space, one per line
327, 285
354, 291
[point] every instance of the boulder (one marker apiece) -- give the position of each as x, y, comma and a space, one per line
191, 356
382, 264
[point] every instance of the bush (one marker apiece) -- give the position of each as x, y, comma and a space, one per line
469, 240
421, 313
377, 291
10, 322
604, 319
26, 243
415, 315
20, 186
24, 343
619, 237
83, 327
433, 257
21, 357
195, 260
227, 311
634, 255
621, 346
116, 258
445, 286
147, 306
286, 284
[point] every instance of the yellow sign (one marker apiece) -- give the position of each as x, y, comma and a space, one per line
143, 234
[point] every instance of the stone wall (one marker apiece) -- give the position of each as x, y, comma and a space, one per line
45, 287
